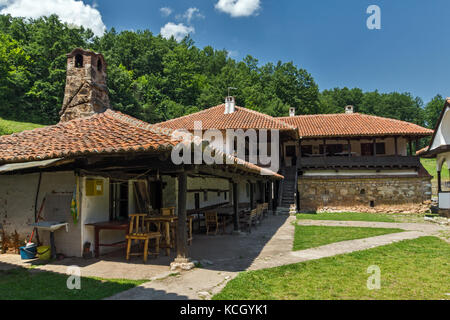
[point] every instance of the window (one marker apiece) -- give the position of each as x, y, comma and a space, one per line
197, 201
332, 149
291, 151
367, 149
205, 196
381, 148
99, 65
225, 195
78, 61
307, 151
118, 206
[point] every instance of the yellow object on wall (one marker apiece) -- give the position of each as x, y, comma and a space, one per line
94, 188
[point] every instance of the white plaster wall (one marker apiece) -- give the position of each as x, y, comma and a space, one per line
442, 136
205, 184
356, 145
444, 200
17, 201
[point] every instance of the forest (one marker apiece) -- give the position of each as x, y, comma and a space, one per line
156, 79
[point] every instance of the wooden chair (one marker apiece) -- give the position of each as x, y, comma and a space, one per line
170, 211
139, 231
212, 221
250, 220
265, 209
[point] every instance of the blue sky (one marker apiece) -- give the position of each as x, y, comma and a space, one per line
329, 38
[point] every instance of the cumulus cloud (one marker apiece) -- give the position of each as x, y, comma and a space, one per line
190, 14
71, 11
178, 31
165, 12
239, 8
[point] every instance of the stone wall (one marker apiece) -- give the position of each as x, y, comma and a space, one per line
319, 192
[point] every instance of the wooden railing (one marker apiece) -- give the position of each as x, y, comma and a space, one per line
378, 162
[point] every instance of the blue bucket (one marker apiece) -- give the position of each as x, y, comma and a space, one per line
28, 252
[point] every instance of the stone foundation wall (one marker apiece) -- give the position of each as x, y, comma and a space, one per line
321, 192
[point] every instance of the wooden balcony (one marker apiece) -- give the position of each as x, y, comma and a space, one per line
361, 162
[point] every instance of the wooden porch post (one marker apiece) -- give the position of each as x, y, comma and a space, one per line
270, 196
439, 177
396, 145
182, 261
375, 147
236, 207
324, 147
349, 148
252, 197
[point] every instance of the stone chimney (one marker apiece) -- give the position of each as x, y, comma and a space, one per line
291, 112
349, 109
86, 92
230, 105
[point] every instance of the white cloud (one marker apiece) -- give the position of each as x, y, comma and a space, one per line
166, 11
178, 31
190, 14
70, 11
239, 8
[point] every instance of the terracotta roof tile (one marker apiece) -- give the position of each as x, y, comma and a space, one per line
108, 132
214, 118
104, 133
352, 125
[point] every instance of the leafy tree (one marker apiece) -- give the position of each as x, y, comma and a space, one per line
433, 110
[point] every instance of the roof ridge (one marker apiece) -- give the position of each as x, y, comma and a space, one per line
267, 116
137, 123
188, 115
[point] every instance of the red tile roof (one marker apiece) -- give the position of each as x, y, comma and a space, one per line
104, 133
214, 118
108, 132
353, 125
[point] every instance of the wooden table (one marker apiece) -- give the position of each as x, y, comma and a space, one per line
108, 225
167, 221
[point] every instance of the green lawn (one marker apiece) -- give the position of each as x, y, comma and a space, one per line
411, 269
347, 216
26, 284
315, 236
430, 165
9, 127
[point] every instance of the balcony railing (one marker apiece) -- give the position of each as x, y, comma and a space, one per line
369, 162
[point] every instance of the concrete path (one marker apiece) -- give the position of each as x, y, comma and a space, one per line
428, 228
204, 283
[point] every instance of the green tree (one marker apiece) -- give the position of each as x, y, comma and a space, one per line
433, 110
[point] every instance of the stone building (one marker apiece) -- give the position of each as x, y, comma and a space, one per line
342, 161
356, 160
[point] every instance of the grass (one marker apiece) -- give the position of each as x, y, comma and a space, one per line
25, 284
347, 216
430, 166
315, 236
9, 126
416, 269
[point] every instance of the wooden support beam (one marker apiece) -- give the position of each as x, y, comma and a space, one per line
396, 145
236, 207
374, 147
252, 198
182, 245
